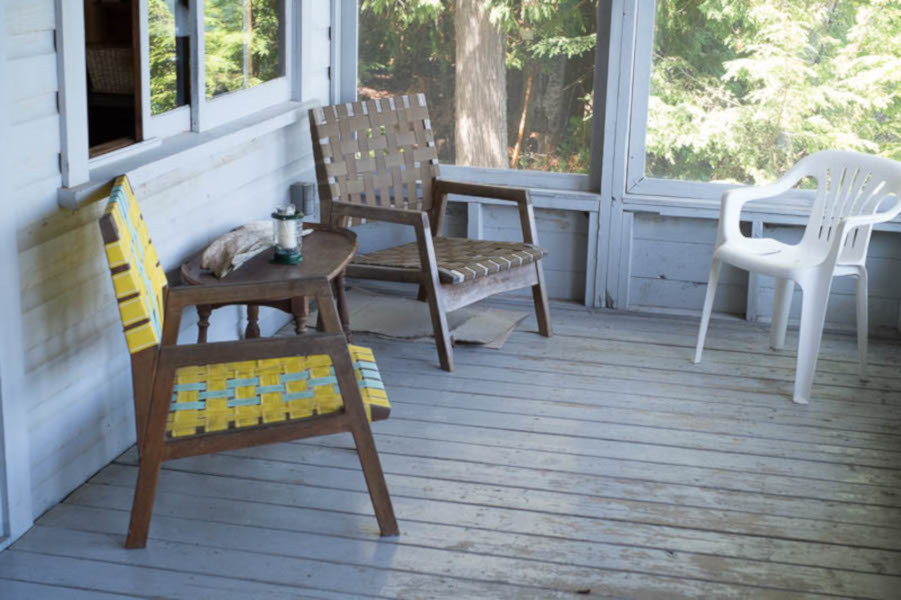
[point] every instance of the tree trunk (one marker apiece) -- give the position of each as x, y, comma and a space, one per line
552, 100
481, 88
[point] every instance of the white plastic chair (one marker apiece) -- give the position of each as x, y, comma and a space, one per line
851, 191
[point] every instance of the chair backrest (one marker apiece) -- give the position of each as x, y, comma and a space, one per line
376, 152
848, 184
138, 279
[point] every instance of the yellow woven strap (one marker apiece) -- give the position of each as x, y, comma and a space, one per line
138, 279
223, 396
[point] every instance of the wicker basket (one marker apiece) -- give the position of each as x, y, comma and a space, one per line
110, 69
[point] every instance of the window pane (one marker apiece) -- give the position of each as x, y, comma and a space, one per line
243, 44
479, 63
170, 46
740, 91
114, 120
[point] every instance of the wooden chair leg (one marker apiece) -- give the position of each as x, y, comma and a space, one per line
300, 309
375, 479
359, 427
151, 458
542, 310
142, 506
439, 326
341, 298
422, 295
432, 285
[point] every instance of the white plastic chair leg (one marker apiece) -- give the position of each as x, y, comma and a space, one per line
862, 322
708, 307
813, 315
782, 303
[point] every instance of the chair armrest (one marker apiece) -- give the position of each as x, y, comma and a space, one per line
238, 293
498, 192
733, 200
880, 217
848, 224
378, 213
173, 357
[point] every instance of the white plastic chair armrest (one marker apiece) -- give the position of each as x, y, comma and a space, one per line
880, 217
733, 200
848, 224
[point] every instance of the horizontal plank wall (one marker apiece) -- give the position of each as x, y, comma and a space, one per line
664, 264
77, 370
564, 234
670, 264
883, 269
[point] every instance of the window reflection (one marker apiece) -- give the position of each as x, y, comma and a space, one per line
243, 44
170, 47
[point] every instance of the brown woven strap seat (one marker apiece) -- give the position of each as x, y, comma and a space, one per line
458, 259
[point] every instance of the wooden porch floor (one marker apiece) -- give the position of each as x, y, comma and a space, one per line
600, 462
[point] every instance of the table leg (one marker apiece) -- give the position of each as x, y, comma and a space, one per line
300, 308
341, 298
203, 321
253, 322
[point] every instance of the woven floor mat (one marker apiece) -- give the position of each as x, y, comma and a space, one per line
405, 318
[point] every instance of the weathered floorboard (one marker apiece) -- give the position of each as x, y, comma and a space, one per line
600, 462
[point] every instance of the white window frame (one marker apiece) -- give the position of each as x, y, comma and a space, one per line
529, 178
200, 116
634, 45
641, 21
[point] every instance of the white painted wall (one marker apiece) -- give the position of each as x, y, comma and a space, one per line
76, 397
669, 262
15, 496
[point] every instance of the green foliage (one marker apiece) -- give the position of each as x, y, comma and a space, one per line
408, 46
241, 42
544, 28
163, 76
742, 90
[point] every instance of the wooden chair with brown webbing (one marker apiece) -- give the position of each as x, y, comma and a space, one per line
201, 398
376, 161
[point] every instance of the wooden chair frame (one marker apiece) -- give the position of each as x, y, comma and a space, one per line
153, 376
356, 194
154, 369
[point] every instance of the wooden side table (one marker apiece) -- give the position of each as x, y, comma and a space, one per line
326, 253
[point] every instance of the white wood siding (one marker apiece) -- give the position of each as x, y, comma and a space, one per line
77, 370
15, 497
564, 234
670, 261
883, 268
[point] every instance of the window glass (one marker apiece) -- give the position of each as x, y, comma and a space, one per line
113, 70
740, 91
508, 83
243, 44
170, 48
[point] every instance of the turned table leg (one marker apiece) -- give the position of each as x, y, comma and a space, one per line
300, 308
341, 298
253, 322
203, 321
